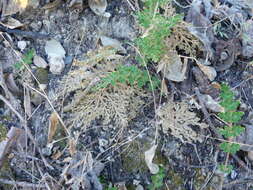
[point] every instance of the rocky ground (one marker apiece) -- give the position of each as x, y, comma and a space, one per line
58, 131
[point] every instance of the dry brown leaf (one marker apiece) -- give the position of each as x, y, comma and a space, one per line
172, 67
164, 88
209, 71
53, 125
72, 146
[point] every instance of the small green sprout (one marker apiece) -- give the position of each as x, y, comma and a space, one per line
157, 180
219, 31
26, 59
130, 75
157, 27
225, 168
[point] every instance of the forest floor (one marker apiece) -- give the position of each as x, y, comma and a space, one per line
86, 101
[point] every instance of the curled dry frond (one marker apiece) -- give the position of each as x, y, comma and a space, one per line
177, 119
117, 105
182, 40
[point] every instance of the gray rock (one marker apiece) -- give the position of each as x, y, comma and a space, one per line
22, 45
56, 56
39, 62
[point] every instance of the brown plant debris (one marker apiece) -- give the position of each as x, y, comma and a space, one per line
96, 65
117, 104
182, 40
177, 119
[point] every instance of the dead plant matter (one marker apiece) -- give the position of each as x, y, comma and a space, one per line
182, 40
177, 119
116, 104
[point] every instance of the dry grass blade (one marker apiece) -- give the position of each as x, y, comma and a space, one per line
27, 102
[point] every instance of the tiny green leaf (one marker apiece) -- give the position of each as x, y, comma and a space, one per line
231, 131
232, 117
229, 147
226, 168
157, 180
26, 59
130, 75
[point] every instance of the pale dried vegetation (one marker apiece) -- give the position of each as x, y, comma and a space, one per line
181, 46
178, 120
182, 40
115, 105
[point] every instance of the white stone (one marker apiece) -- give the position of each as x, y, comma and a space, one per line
56, 55
54, 48
39, 62
22, 45
56, 65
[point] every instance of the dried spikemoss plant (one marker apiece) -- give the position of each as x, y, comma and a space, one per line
117, 105
96, 65
180, 45
114, 104
177, 119
182, 40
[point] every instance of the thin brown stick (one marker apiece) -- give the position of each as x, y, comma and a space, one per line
21, 183
30, 34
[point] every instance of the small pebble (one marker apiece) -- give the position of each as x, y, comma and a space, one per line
39, 62
139, 187
22, 45
233, 174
